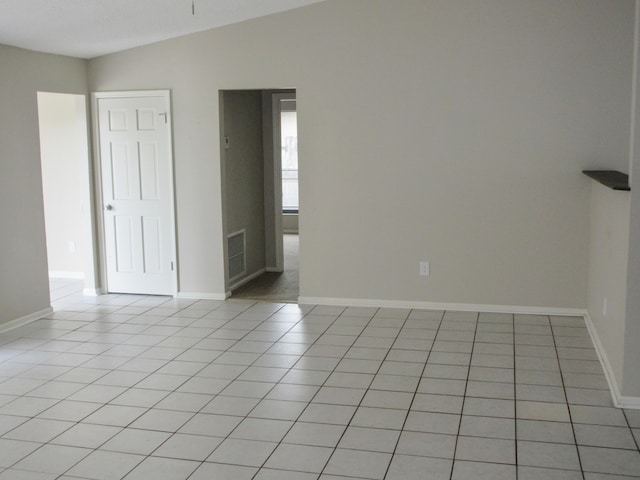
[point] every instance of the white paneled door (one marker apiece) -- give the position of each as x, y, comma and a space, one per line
137, 192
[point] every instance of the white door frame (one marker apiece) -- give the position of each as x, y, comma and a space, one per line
276, 98
98, 199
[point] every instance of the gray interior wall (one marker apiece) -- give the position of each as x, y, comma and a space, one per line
453, 132
244, 173
614, 262
63, 149
608, 257
631, 375
24, 287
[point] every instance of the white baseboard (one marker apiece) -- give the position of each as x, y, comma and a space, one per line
91, 292
631, 403
202, 296
19, 322
619, 400
456, 307
65, 275
254, 275
273, 270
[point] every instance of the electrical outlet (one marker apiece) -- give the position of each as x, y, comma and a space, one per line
424, 269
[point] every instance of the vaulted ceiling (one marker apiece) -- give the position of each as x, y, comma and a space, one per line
90, 28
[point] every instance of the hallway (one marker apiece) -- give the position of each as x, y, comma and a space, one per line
276, 286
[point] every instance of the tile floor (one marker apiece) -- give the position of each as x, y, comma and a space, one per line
156, 388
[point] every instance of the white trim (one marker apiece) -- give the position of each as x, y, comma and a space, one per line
276, 99
91, 292
604, 360
203, 296
19, 322
97, 170
65, 275
627, 402
619, 400
458, 307
247, 279
273, 270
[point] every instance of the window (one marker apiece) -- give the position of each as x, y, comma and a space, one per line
289, 155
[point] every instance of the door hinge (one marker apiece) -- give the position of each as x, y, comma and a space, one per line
164, 115
172, 266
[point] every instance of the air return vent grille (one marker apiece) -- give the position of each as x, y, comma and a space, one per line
236, 250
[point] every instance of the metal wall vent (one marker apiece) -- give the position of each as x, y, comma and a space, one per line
236, 246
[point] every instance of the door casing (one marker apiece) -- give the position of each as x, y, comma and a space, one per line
98, 199
276, 99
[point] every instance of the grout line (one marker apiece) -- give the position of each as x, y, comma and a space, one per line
33, 341
355, 412
566, 398
415, 393
318, 390
515, 395
464, 396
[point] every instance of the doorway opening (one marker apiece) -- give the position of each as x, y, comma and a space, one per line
66, 191
259, 163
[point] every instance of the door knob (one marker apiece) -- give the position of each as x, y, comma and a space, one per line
108, 207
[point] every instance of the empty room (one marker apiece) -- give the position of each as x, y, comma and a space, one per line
466, 231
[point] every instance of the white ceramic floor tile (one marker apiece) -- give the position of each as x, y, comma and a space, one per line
432, 422
357, 463
233, 406
550, 455
270, 474
380, 418
262, 429
602, 436
131, 440
55, 459
163, 469
299, 458
70, 410
248, 453
534, 473
610, 461
39, 430
489, 407
188, 447
270, 391
12, 451
101, 465
489, 450
488, 427
426, 444
13, 474
314, 434
115, 415
407, 467
86, 435
464, 470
